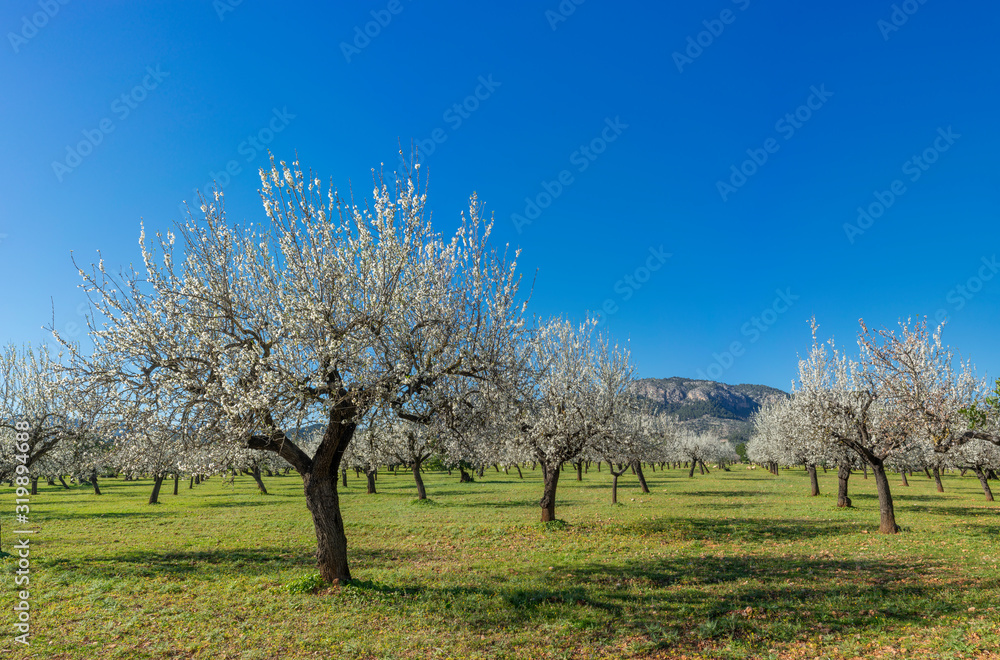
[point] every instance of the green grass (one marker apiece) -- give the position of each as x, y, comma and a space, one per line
731, 564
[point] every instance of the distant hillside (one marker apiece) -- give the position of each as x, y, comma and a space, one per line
705, 405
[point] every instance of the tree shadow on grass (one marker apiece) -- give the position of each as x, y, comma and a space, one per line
211, 564
728, 493
735, 530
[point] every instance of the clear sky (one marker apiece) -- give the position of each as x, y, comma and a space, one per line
695, 168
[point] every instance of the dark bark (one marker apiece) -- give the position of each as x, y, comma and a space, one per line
937, 480
984, 483
927, 472
343, 476
260, 482
691, 473
191, 483
813, 480
177, 481
548, 501
902, 473
614, 480
370, 474
197, 479
421, 491
843, 476
93, 480
63, 482
154, 497
701, 466
887, 514
465, 477
34, 485
579, 471
519, 475
637, 466
865, 470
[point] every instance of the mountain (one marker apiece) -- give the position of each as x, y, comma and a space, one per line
705, 405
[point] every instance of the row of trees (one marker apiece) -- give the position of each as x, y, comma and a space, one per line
358, 320
906, 402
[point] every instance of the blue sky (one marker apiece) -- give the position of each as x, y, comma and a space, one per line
697, 164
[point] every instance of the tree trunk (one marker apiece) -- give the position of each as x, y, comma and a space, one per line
887, 514
260, 482
371, 481
902, 473
343, 475
465, 477
691, 473
579, 471
598, 466
421, 492
480, 471
642, 478
519, 475
154, 497
548, 502
614, 487
197, 479
191, 483
34, 485
63, 482
331, 541
985, 483
937, 480
177, 481
701, 466
927, 472
93, 480
843, 475
864, 467
813, 480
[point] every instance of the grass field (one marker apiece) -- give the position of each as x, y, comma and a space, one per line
731, 564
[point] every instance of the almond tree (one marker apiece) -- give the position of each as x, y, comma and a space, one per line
572, 388
849, 402
322, 313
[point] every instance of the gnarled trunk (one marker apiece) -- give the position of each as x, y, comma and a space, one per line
519, 475
843, 476
370, 474
548, 501
813, 480
154, 497
937, 480
260, 482
421, 491
887, 514
331, 541
984, 483
637, 466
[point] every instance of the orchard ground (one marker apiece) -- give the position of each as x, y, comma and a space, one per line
728, 565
